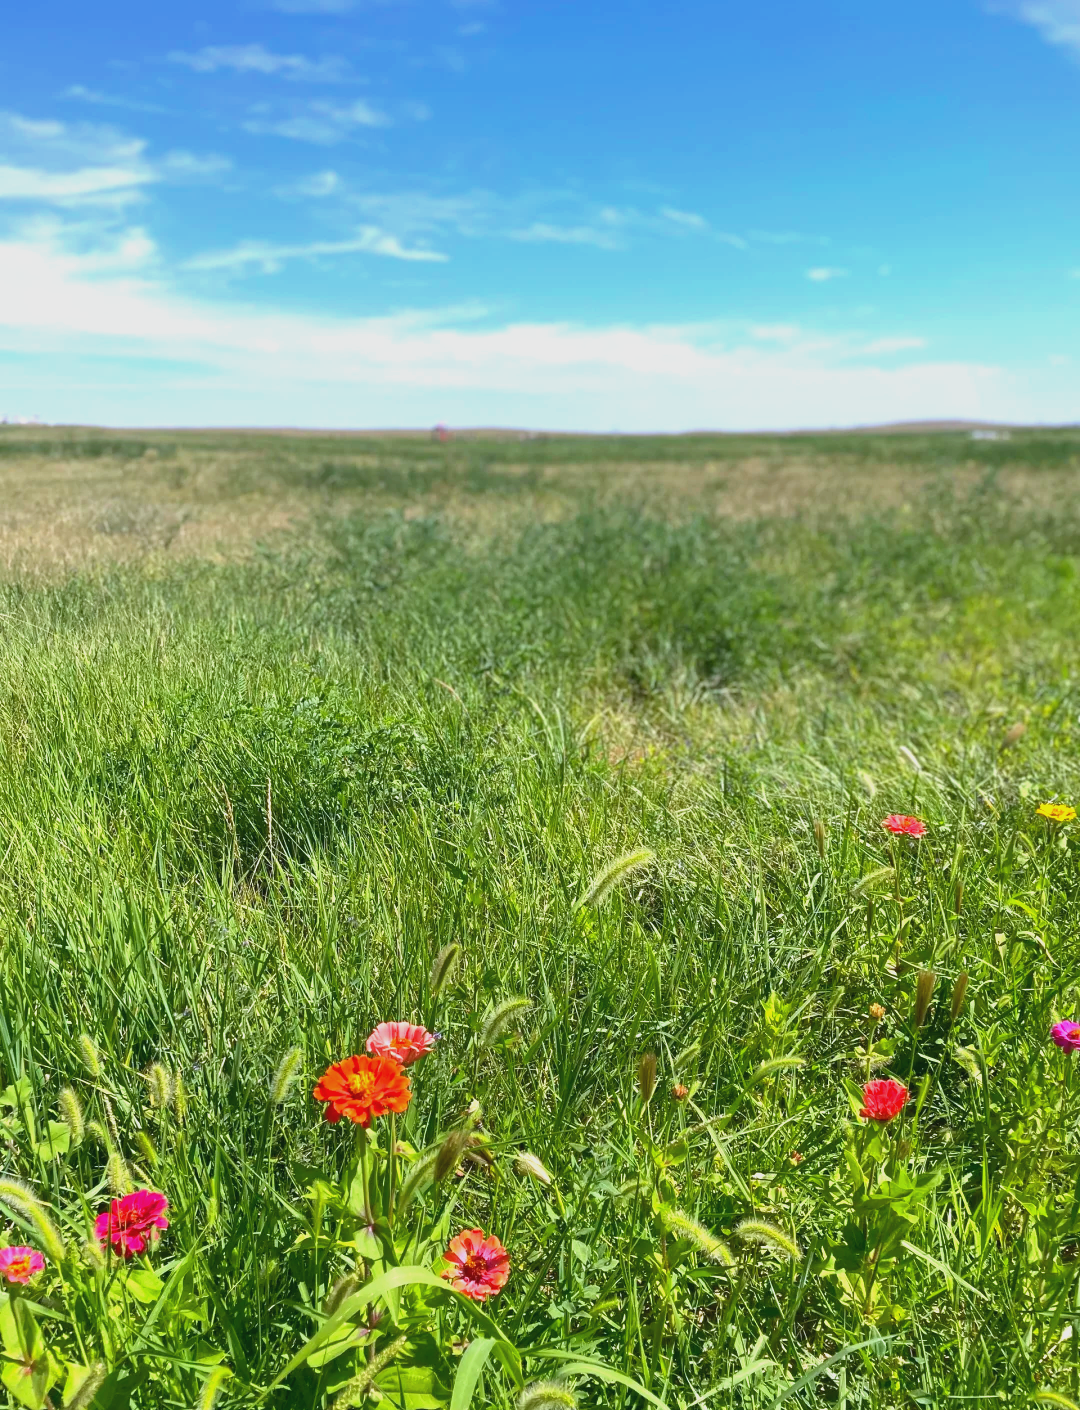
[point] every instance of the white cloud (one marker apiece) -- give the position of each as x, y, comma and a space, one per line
687, 218
85, 185
317, 185
269, 258
322, 124
879, 346
250, 364
823, 273
1058, 21
541, 232
255, 58
77, 92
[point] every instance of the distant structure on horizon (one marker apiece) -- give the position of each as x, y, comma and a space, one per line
441, 433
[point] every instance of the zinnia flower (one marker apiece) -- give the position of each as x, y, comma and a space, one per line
362, 1088
1067, 1035
882, 1100
404, 1042
129, 1224
904, 823
19, 1264
479, 1266
1056, 812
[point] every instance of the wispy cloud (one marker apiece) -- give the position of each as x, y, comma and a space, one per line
82, 186
822, 273
1058, 21
541, 232
689, 219
78, 93
322, 124
414, 367
269, 258
257, 59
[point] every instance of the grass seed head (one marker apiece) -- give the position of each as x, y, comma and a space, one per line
501, 1019
22, 1198
285, 1075
442, 970
548, 1395
180, 1100
676, 1222
766, 1235
89, 1388
605, 881
819, 837
117, 1174
924, 992
357, 1389
146, 1147
159, 1082
89, 1054
343, 1288
71, 1113
646, 1077
450, 1153
1013, 734
419, 1177
532, 1165
959, 993
212, 1388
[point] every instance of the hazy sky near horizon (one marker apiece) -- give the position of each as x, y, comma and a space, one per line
582, 214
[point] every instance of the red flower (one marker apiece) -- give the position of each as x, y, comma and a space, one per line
404, 1042
904, 823
479, 1266
129, 1224
19, 1263
883, 1100
362, 1088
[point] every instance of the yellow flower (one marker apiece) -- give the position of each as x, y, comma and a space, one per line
1056, 812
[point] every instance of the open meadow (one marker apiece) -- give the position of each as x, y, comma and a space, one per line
575, 752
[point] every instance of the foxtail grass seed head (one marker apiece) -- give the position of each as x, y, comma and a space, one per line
502, 1018
179, 1099
89, 1386
606, 880
110, 1120
71, 1114
93, 1255
212, 1388
343, 1288
1013, 734
869, 786
22, 1198
910, 759
419, 1177
682, 1226
646, 1077
548, 1395
89, 1054
959, 993
958, 894
528, 1164
450, 1153
356, 1392
924, 992
444, 967
819, 836
877, 1012
159, 1082
285, 1076
117, 1174
766, 1235
147, 1149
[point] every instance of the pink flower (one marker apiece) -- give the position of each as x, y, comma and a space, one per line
19, 1264
129, 1224
883, 1100
1067, 1035
404, 1042
904, 823
479, 1266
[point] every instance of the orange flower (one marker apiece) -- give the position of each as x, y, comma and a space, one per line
362, 1088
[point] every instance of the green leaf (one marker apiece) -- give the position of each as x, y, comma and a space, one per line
469, 1372
29, 1372
144, 1285
18, 1094
344, 1339
56, 1141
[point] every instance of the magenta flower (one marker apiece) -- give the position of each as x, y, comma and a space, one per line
129, 1224
1066, 1035
19, 1264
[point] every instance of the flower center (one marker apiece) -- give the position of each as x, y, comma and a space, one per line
476, 1268
361, 1084
1073, 1033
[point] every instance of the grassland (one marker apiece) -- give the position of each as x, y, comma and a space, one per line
283, 717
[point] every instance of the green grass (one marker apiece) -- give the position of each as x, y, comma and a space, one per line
244, 804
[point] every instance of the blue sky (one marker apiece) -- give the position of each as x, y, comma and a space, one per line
584, 214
